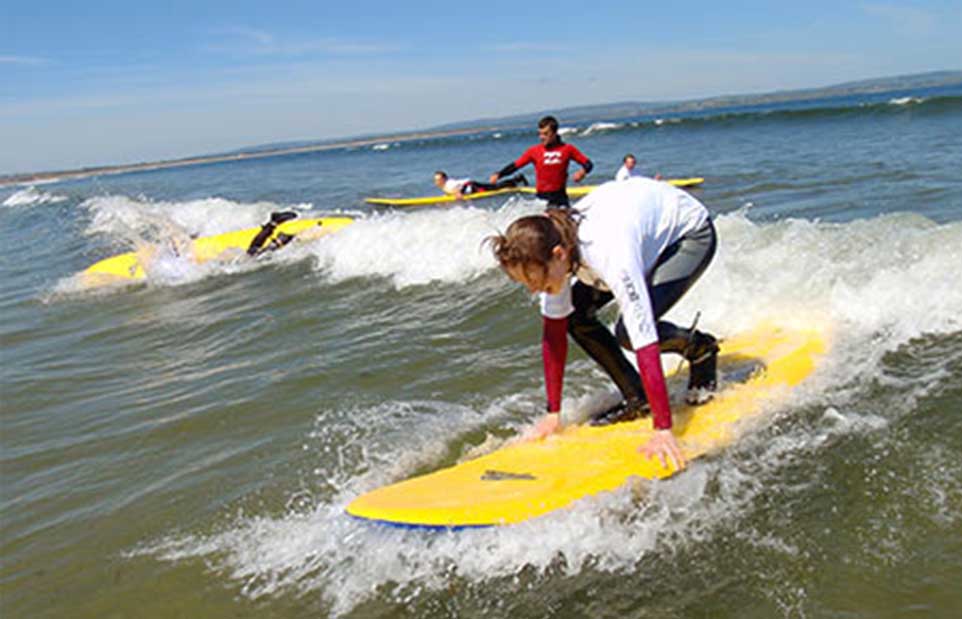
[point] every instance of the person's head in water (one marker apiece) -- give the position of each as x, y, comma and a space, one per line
440, 177
548, 130
630, 161
539, 251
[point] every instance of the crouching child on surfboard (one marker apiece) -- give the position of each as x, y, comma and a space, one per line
643, 244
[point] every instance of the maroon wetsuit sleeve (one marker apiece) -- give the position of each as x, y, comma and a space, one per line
554, 351
653, 379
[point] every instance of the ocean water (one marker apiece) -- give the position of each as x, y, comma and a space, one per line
185, 447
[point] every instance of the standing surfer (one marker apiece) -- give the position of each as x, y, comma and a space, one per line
550, 158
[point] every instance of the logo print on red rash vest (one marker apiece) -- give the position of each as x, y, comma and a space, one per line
552, 158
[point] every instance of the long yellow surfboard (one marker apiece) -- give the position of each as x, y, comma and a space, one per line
579, 191
573, 192
129, 266
442, 199
529, 479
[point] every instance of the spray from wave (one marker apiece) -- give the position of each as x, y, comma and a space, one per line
122, 216
31, 196
418, 248
162, 233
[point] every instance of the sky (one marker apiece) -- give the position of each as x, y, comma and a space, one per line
107, 82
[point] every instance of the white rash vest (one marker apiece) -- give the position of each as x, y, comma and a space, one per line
624, 173
454, 185
625, 227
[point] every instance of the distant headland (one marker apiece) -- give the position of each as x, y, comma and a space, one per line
256, 152
571, 114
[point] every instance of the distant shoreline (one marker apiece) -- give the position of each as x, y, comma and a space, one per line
31, 178
879, 85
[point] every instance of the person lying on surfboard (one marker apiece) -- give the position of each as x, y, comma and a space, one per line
642, 243
466, 186
550, 158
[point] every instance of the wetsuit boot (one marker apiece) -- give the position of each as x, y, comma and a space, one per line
626, 410
703, 370
515, 181
596, 340
277, 218
700, 349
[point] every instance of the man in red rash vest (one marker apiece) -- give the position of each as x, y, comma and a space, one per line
550, 159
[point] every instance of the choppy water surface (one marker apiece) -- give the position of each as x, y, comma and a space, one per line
186, 447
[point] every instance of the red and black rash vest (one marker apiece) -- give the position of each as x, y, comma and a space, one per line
550, 164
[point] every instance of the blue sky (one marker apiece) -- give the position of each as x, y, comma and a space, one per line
85, 84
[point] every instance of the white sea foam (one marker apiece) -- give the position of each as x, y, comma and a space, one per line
322, 550
880, 278
873, 285
420, 247
600, 127
162, 232
326, 553
32, 196
906, 100
886, 274
120, 216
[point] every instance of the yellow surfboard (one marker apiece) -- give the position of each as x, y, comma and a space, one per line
442, 199
579, 191
573, 192
529, 479
129, 266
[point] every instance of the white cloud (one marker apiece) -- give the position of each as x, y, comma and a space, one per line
249, 34
22, 60
524, 47
241, 40
903, 19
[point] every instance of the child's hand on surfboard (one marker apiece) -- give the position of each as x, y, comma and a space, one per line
547, 425
664, 445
